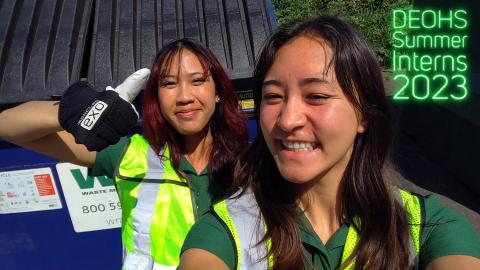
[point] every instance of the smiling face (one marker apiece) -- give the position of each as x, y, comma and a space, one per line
187, 94
308, 123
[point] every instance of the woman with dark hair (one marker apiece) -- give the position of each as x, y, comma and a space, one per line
193, 131
312, 188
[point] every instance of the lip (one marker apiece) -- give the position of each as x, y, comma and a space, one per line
187, 113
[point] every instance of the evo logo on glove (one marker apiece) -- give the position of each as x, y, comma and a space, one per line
88, 120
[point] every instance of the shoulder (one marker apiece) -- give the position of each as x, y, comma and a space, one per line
107, 159
445, 232
210, 234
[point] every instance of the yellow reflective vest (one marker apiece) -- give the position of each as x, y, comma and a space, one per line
241, 216
157, 207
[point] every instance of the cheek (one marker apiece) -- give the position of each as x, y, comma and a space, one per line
209, 88
206, 95
322, 120
204, 91
164, 103
268, 118
337, 124
161, 103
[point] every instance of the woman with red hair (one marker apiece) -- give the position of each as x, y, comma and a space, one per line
193, 129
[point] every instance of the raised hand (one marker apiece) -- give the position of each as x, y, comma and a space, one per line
99, 119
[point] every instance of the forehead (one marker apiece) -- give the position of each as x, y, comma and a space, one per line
183, 61
303, 55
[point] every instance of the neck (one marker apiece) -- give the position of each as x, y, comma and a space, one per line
197, 149
321, 205
321, 200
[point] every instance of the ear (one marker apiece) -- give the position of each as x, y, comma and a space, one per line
217, 98
362, 126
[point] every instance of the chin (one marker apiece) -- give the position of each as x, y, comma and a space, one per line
188, 131
296, 176
185, 132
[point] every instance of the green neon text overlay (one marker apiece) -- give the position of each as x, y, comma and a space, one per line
428, 57
429, 19
419, 87
403, 40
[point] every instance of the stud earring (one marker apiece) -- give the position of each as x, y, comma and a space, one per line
217, 99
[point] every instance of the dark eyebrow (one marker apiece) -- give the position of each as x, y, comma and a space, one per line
303, 82
271, 82
197, 73
306, 81
189, 74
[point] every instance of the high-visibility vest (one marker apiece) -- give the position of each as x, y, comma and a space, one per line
242, 219
157, 207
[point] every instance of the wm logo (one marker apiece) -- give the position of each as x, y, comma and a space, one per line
85, 183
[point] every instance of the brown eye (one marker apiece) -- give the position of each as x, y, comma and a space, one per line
168, 84
198, 81
272, 98
316, 98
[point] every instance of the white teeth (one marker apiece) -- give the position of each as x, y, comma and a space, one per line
298, 146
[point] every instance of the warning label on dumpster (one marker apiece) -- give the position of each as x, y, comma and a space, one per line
92, 201
44, 184
27, 191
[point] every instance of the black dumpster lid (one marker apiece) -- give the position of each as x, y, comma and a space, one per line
47, 45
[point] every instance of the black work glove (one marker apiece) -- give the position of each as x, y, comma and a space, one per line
99, 119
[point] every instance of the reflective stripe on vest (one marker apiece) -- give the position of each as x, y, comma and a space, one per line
241, 216
157, 209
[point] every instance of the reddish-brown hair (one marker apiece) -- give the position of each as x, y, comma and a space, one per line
227, 125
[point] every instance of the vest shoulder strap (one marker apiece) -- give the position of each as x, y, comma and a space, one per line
413, 209
413, 206
220, 211
140, 161
133, 162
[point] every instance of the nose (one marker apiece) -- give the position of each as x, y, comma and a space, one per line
184, 94
292, 115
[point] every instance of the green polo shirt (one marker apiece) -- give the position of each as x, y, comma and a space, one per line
446, 232
108, 159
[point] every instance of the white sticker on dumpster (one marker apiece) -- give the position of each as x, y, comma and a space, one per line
92, 201
28, 191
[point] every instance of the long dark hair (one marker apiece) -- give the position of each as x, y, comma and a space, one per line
227, 125
363, 192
